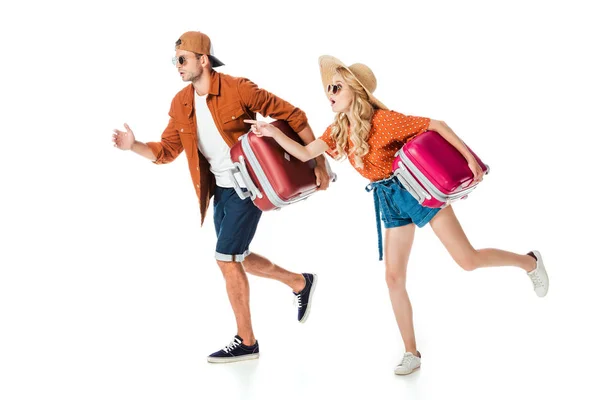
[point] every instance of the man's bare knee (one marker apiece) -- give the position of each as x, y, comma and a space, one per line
227, 266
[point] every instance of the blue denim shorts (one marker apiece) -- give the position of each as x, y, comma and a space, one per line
397, 207
235, 223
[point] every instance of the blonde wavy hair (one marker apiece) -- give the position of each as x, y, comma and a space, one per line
361, 112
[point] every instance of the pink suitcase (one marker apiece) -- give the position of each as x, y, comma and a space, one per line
273, 177
433, 171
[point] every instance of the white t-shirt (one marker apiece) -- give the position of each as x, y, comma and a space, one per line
212, 145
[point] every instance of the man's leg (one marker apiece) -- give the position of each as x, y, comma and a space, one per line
258, 265
235, 224
303, 285
238, 292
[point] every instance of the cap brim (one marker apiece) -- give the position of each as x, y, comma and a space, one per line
215, 62
328, 66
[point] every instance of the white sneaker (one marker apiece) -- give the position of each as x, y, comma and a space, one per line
409, 363
539, 276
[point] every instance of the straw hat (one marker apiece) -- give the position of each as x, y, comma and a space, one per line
362, 73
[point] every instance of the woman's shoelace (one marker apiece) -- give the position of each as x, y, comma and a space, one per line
537, 280
406, 359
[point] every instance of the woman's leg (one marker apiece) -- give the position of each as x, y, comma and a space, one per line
447, 228
398, 243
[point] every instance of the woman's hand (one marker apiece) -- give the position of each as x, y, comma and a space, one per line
476, 169
261, 128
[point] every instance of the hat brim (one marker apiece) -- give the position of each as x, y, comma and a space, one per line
215, 62
328, 66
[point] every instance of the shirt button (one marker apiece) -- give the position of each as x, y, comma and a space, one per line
181, 129
233, 117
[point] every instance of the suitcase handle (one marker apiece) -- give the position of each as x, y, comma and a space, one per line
252, 192
410, 189
242, 195
411, 184
332, 175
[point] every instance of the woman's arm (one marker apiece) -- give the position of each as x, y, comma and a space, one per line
302, 153
447, 133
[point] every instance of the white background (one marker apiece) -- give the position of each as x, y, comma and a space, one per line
108, 286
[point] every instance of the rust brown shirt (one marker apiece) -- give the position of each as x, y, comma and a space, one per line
230, 101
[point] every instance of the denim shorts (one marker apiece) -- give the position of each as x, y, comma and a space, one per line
235, 223
397, 207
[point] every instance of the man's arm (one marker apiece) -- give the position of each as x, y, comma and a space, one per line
168, 148
162, 152
125, 140
269, 105
143, 150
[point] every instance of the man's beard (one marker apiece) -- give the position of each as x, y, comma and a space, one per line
193, 77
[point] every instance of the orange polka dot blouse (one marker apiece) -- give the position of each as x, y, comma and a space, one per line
389, 131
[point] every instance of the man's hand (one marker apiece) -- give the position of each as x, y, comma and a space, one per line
322, 174
123, 140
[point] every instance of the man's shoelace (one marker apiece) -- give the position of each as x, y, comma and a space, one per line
298, 300
231, 346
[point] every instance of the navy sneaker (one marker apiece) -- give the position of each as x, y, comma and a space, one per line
234, 351
304, 298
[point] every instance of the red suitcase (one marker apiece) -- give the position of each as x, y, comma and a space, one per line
273, 177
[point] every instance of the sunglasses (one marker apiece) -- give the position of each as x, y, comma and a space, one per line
179, 60
334, 88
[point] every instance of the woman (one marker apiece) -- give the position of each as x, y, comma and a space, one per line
369, 134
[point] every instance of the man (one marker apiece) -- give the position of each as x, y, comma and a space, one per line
206, 119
